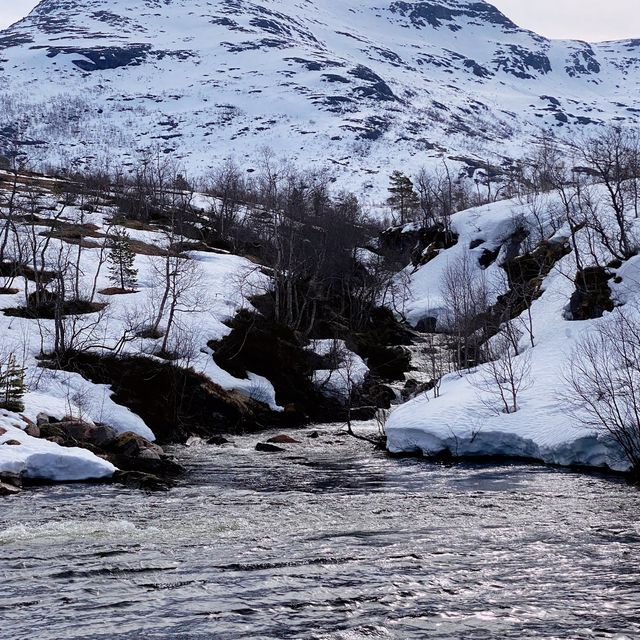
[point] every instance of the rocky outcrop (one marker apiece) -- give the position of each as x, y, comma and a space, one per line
7, 489
592, 296
176, 403
419, 244
140, 461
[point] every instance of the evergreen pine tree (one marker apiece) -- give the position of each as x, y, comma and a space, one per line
403, 198
121, 260
12, 385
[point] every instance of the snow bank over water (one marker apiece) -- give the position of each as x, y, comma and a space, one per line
466, 419
39, 459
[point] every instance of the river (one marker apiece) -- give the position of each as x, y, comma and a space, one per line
329, 541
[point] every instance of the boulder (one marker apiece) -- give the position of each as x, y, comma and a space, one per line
13, 443
313, 435
131, 452
32, 430
147, 463
14, 479
101, 435
148, 454
2, 431
70, 433
269, 448
218, 441
283, 439
131, 444
42, 418
8, 489
141, 480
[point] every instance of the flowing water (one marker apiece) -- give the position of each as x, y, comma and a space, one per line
329, 541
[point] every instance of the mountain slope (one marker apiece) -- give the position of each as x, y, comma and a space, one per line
361, 85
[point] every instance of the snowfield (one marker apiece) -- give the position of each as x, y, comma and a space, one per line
361, 86
466, 420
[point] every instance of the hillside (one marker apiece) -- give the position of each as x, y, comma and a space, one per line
558, 372
359, 86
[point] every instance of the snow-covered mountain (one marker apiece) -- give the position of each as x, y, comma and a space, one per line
364, 86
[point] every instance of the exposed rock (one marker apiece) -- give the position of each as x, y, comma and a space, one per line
269, 448
160, 466
277, 353
377, 395
412, 388
42, 418
13, 443
32, 430
177, 403
128, 451
101, 435
13, 479
314, 435
592, 296
2, 431
141, 480
8, 489
283, 439
148, 454
218, 441
131, 444
71, 433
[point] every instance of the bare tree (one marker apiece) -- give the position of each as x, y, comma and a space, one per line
228, 186
506, 373
466, 294
603, 376
613, 157
181, 292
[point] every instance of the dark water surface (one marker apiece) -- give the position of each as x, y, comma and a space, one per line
331, 541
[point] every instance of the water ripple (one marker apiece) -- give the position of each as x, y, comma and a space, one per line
328, 543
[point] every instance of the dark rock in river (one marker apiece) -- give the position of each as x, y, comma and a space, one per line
132, 445
140, 480
268, 448
128, 451
283, 439
218, 441
8, 489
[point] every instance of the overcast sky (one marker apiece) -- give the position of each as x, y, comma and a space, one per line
582, 19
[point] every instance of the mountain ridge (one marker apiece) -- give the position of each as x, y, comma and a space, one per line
362, 86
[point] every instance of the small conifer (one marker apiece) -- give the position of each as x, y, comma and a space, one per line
121, 259
12, 385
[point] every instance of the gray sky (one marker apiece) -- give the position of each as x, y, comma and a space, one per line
591, 20
582, 19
